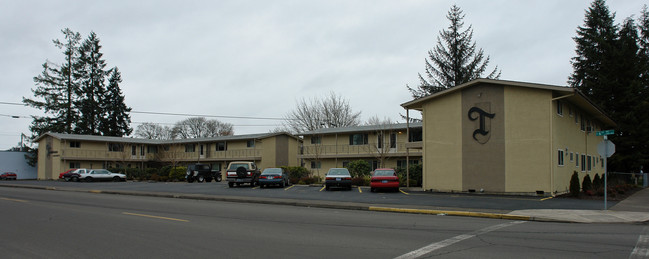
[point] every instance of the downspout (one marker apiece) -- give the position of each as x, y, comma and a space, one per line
552, 166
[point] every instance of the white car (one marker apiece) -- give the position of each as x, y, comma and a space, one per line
90, 175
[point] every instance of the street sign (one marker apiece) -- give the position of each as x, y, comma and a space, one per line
606, 148
605, 132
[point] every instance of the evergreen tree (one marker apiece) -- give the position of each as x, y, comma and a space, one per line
91, 75
57, 88
454, 60
117, 121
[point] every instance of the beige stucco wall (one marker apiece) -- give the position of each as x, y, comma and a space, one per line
527, 128
442, 169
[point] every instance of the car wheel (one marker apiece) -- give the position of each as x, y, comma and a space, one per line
88, 179
190, 179
200, 178
230, 184
372, 190
326, 187
75, 179
261, 186
218, 178
116, 179
253, 183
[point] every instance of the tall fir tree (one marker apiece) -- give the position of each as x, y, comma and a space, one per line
57, 88
118, 120
92, 92
454, 60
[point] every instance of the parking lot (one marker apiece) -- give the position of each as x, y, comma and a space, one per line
403, 198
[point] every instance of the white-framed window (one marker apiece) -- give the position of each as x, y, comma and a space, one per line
75, 144
577, 160
571, 156
316, 164
316, 140
190, 148
221, 146
583, 162
250, 143
560, 156
559, 108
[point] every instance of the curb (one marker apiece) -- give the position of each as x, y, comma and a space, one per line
453, 213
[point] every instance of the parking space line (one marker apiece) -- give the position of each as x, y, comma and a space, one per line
155, 217
359, 189
404, 192
256, 187
289, 187
544, 199
323, 187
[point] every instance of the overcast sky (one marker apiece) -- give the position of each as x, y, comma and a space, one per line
258, 58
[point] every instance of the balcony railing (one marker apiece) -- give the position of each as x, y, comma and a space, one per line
368, 149
94, 154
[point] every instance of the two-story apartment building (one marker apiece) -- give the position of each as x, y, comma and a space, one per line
59, 152
380, 145
509, 137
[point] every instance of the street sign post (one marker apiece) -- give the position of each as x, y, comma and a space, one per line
605, 149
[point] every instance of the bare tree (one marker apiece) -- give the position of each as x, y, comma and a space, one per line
150, 130
375, 120
199, 127
331, 112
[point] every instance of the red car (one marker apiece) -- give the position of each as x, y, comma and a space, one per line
8, 176
384, 178
61, 174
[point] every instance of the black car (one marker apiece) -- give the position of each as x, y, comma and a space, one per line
201, 173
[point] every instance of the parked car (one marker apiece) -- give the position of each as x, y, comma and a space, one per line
100, 175
384, 178
71, 175
242, 172
338, 177
274, 176
201, 173
8, 176
61, 174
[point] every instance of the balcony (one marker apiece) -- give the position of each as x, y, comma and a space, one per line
340, 151
166, 156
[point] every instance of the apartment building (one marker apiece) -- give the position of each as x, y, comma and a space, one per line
509, 137
389, 145
59, 152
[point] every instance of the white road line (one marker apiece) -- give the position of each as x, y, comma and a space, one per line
641, 249
444, 243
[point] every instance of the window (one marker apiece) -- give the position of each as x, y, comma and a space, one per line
133, 150
393, 140
250, 143
402, 163
142, 150
601, 159
357, 139
190, 148
571, 156
577, 160
345, 164
115, 147
316, 140
583, 123
590, 162
379, 140
570, 111
202, 148
316, 164
559, 108
560, 157
415, 135
75, 144
583, 163
75, 165
152, 149
221, 146
576, 118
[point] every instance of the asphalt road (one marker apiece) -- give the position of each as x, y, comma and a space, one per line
493, 203
53, 224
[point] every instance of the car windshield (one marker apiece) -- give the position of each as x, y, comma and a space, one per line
269, 171
384, 173
338, 171
235, 166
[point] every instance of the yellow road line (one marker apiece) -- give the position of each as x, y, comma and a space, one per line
289, 187
16, 200
359, 189
544, 199
404, 192
95, 191
155, 217
255, 187
323, 187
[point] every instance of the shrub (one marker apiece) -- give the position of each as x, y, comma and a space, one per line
154, 177
416, 178
587, 184
359, 168
309, 180
597, 182
361, 181
177, 174
296, 172
574, 184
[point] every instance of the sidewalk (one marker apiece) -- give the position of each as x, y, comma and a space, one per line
634, 209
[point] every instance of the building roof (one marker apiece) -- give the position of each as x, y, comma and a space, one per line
571, 94
366, 128
64, 136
